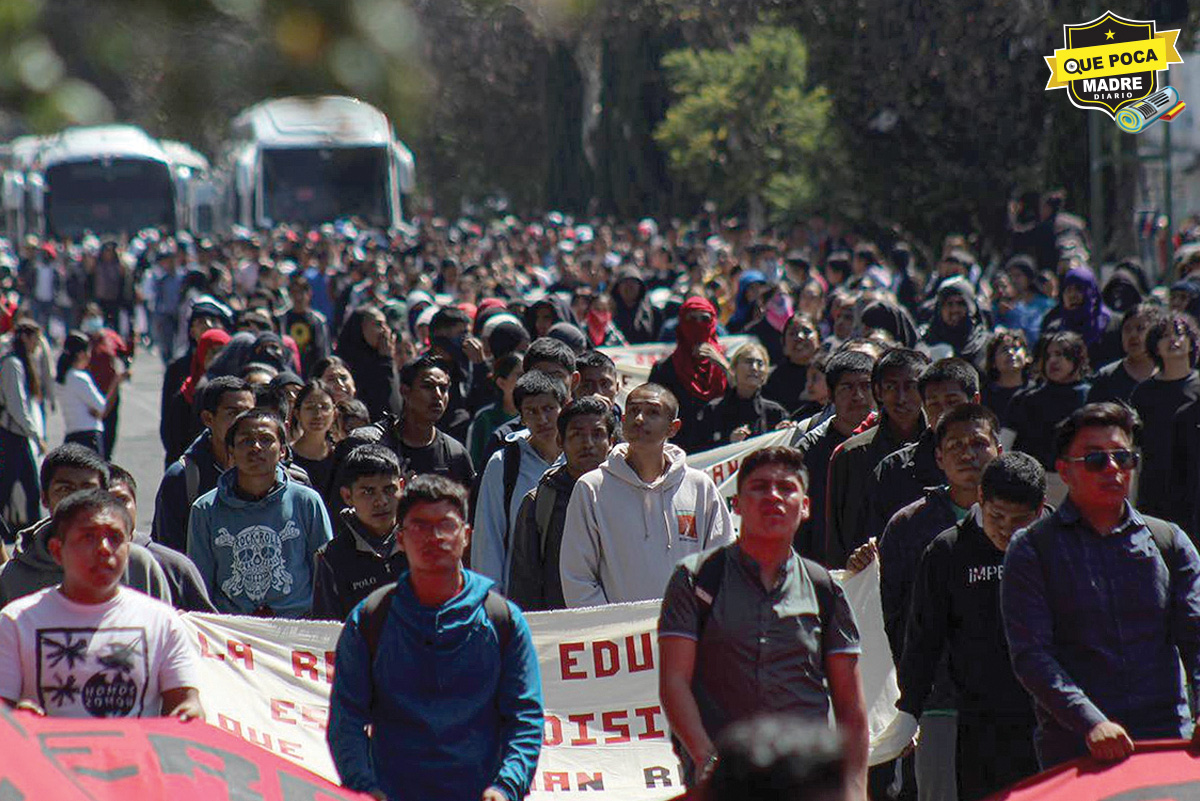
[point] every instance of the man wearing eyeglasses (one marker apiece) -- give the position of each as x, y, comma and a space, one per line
437, 693
1101, 604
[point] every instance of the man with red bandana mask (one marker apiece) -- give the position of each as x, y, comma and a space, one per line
696, 371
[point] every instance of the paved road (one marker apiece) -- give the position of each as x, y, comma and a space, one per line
138, 448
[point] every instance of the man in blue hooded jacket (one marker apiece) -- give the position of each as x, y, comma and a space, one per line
441, 669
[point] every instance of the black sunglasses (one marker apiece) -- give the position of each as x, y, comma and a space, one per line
1097, 461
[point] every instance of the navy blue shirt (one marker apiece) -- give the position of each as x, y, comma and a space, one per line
1097, 625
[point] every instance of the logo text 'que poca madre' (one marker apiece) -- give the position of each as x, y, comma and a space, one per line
1115, 65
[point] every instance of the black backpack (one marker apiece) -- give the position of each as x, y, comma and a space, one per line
712, 571
375, 612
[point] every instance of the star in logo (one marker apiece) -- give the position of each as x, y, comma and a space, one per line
1108, 34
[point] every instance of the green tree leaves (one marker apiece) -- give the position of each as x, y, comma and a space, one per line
747, 125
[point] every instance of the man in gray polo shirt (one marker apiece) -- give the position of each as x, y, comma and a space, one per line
751, 627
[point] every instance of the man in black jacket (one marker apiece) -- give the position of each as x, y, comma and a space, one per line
956, 610
587, 429
364, 553
966, 439
902, 477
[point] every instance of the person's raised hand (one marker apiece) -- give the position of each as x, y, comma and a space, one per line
863, 555
706, 350
26, 705
473, 348
1109, 742
740, 433
494, 794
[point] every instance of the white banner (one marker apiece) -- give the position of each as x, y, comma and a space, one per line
634, 361
268, 682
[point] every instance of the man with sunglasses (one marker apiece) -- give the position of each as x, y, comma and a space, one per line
1102, 604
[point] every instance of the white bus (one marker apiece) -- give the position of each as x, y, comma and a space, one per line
315, 160
105, 179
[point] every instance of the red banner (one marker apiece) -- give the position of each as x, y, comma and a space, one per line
1157, 771
150, 758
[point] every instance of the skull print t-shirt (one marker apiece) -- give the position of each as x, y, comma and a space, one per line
108, 660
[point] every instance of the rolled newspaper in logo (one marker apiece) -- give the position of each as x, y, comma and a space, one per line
1136, 118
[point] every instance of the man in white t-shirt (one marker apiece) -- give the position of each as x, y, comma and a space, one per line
90, 647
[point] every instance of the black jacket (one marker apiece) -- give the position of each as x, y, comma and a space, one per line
786, 384
817, 446
851, 472
348, 568
534, 583
956, 610
445, 456
716, 421
900, 479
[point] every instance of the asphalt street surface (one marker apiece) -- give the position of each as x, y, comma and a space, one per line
138, 447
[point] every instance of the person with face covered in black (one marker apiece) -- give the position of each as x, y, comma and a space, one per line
448, 340
365, 344
633, 314
956, 323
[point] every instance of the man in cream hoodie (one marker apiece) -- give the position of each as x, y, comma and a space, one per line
632, 519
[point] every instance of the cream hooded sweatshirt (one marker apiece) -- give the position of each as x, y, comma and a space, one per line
622, 536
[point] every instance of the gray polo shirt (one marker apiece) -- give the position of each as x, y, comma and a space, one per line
761, 650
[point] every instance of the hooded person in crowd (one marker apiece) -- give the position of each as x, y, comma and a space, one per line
206, 314
542, 314
745, 313
696, 372
1126, 287
1081, 310
633, 313
883, 315
365, 344
601, 331
181, 423
957, 323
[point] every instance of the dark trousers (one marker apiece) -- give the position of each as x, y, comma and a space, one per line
17, 466
993, 754
110, 429
88, 439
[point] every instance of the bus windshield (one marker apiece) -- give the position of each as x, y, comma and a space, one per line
108, 197
310, 186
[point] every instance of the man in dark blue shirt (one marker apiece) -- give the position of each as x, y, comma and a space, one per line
1101, 604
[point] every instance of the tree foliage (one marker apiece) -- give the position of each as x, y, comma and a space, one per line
746, 124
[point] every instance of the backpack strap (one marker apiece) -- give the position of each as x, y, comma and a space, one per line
191, 478
708, 584
543, 510
1163, 534
374, 615
496, 607
822, 581
512, 472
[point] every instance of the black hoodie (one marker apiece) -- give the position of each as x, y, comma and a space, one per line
640, 321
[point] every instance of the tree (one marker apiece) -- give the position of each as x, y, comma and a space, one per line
747, 126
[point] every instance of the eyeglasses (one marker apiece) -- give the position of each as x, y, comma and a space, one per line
443, 528
1097, 461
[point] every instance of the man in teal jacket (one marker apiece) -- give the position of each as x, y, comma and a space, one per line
441, 668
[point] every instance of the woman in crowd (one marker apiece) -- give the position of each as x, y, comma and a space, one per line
21, 424
1025, 306
1116, 380
1034, 412
314, 414
336, 376
801, 343
1080, 310
742, 412
84, 406
1006, 369
365, 344
1172, 342
601, 331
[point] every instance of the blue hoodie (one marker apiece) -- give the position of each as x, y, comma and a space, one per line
253, 554
451, 715
490, 536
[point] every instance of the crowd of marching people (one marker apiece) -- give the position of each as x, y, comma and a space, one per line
348, 418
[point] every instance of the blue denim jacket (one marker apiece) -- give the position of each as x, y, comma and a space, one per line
1097, 625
